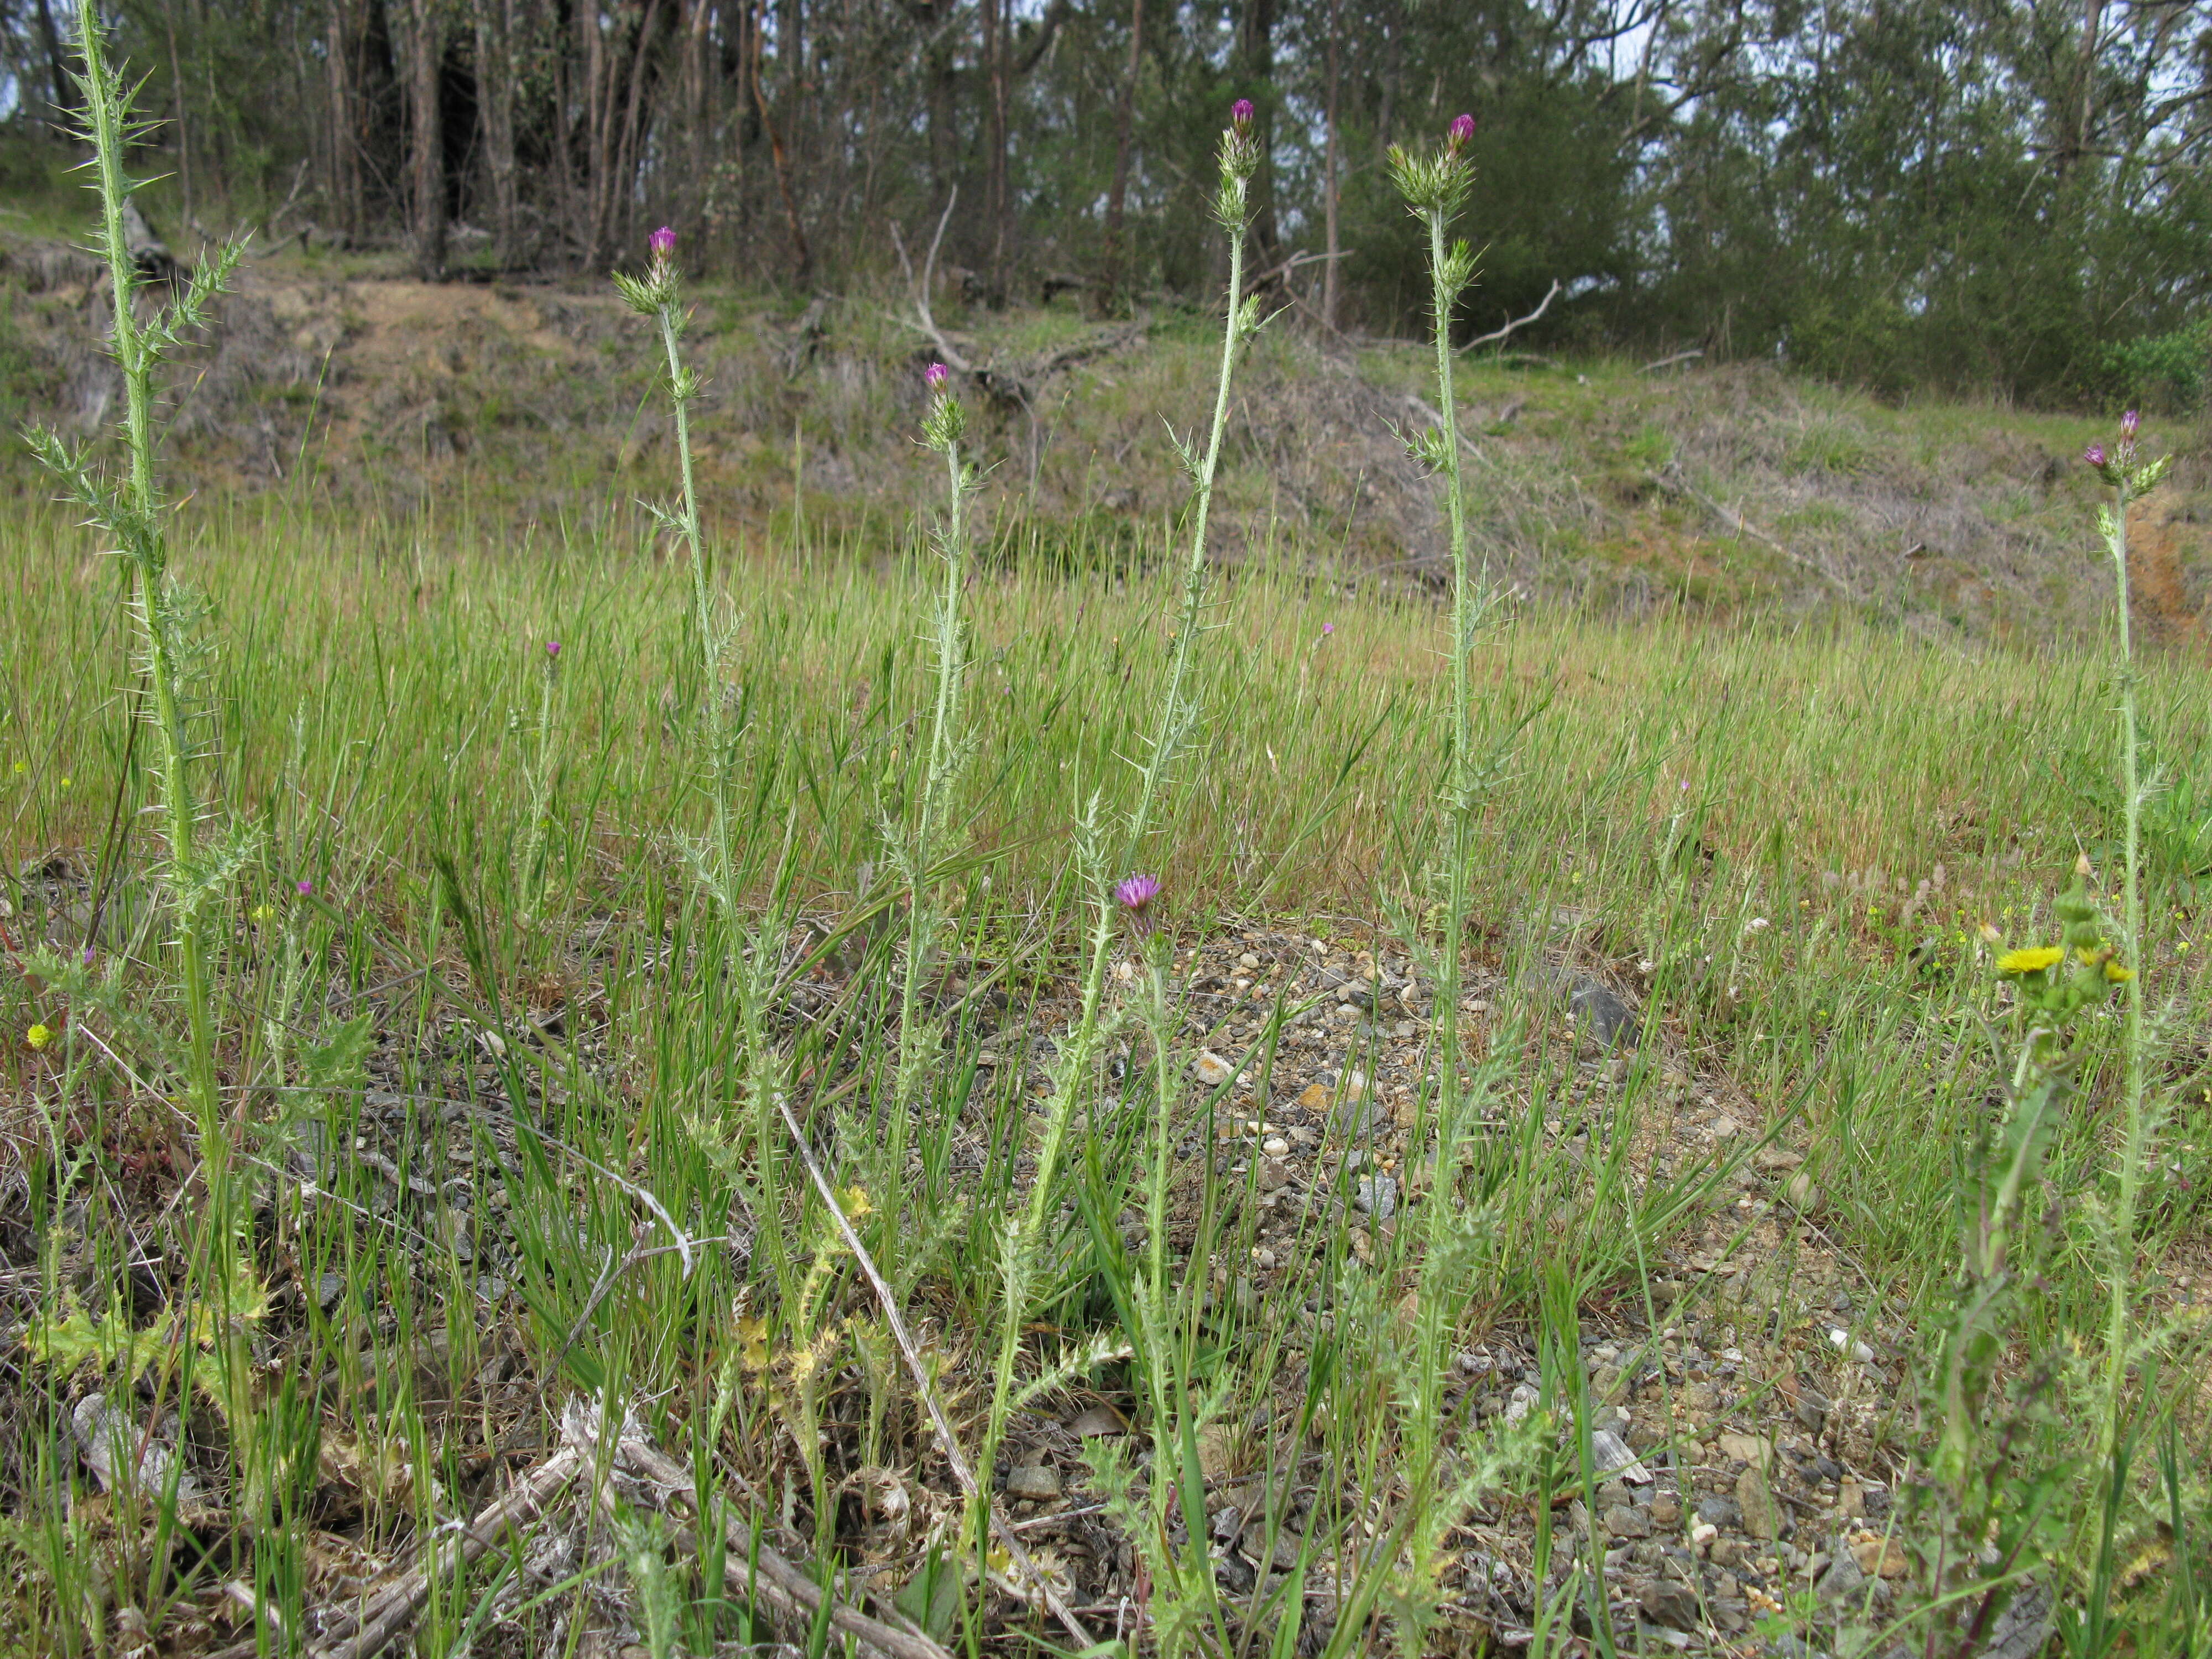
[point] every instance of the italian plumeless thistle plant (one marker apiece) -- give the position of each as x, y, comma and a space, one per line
1237, 159
921, 1039
2127, 477
657, 295
1434, 187
165, 612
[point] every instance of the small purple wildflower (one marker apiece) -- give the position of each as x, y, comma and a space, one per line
88, 956
1240, 115
1135, 896
2130, 423
1327, 629
662, 242
2094, 454
1462, 129
935, 376
553, 648
306, 887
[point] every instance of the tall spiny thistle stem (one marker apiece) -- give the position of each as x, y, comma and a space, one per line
2128, 479
1239, 159
943, 429
1434, 187
656, 297
133, 517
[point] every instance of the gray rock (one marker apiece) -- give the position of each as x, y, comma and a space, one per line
119, 1451
1668, 1603
1721, 1512
2021, 1629
1762, 1515
1843, 1579
1037, 1484
1625, 1521
1610, 1454
1600, 1015
1378, 1196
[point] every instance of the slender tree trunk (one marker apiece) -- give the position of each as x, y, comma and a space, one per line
1393, 65
1331, 188
1110, 280
184, 127
995, 201
626, 154
1259, 55
941, 92
593, 61
57, 111
495, 28
2085, 113
426, 169
691, 198
345, 122
801, 254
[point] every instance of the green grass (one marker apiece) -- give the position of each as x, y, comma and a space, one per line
374, 703
467, 1045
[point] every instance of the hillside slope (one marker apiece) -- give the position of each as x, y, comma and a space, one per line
1716, 488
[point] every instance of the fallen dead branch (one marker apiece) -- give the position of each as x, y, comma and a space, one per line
391, 1610
1497, 336
953, 1454
1670, 479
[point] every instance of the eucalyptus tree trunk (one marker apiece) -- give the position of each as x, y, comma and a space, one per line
425, 161
1124, 124
340, 57
495, 27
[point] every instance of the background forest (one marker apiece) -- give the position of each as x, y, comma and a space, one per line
1988, 197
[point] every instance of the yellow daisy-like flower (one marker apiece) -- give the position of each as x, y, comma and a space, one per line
2032, 960
2118, 975
37, 1036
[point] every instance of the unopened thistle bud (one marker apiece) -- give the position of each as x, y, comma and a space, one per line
1462, 129
655, 293
2130, 423
946, 422
1240, 116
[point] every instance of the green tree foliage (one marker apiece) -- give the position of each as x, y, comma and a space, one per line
2002, 195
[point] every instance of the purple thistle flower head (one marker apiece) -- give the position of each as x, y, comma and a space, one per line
553, 648
2094, 454
1240, 115
1135, 896
935, 376
1327, 629
662, 242
88, 956
1462, 129
2130, 423
305, 887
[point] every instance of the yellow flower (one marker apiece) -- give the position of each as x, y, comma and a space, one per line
37, 1036
2118, 975
2032, 960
